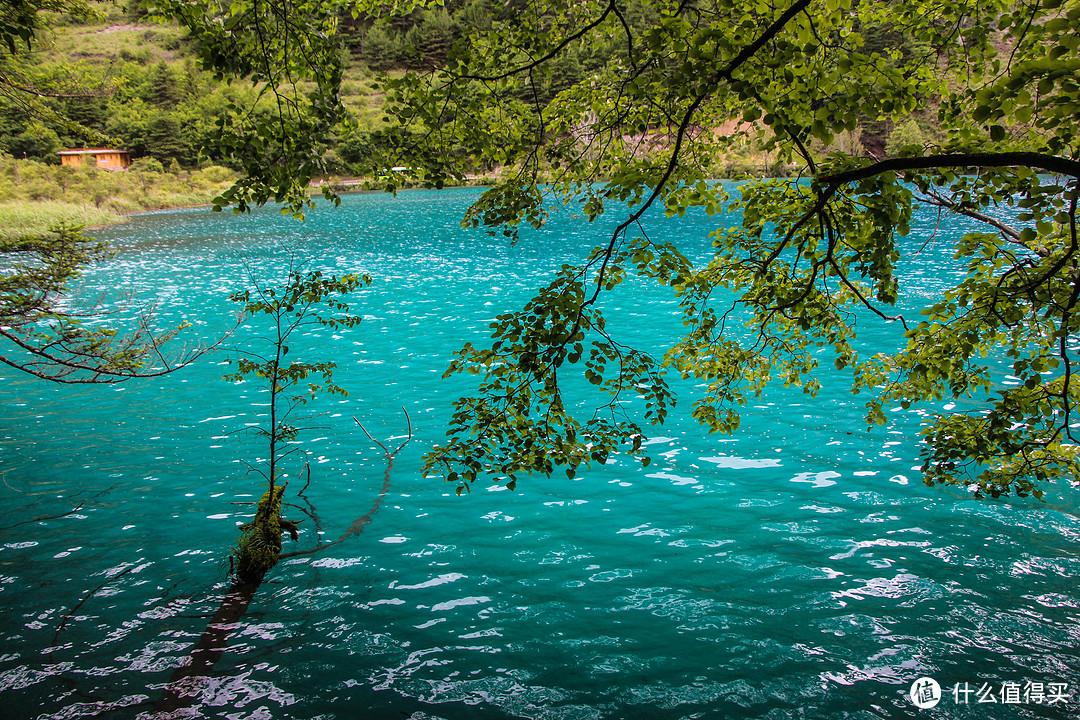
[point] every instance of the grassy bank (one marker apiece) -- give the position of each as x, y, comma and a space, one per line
35, 196
32, 218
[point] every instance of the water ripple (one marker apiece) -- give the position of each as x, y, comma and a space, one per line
796, 569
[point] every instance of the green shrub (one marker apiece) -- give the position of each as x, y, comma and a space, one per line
147, 164
217, 174
42, 189
905, 139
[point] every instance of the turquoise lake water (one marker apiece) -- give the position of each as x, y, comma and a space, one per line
796, 569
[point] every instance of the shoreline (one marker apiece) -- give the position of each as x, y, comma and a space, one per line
61, 211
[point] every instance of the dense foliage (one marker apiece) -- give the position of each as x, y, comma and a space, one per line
807, 258
43, 333
104, 75
111, 83
629, 108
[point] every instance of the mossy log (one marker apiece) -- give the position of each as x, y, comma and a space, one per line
260, 540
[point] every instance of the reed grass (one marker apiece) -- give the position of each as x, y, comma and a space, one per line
35, 196
20, 218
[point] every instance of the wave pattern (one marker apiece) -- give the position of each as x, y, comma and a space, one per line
797, 569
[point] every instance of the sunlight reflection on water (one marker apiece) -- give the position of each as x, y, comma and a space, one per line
798, 568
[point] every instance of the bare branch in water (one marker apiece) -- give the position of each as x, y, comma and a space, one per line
358, 525
92, 593
45, 517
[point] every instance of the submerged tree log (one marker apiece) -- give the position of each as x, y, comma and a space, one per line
182, 689
260, 541
255, 554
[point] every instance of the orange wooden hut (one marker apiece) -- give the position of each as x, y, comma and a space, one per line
105, 158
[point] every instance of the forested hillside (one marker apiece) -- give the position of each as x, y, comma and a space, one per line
115, 76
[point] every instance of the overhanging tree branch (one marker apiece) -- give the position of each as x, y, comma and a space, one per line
1040, 161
